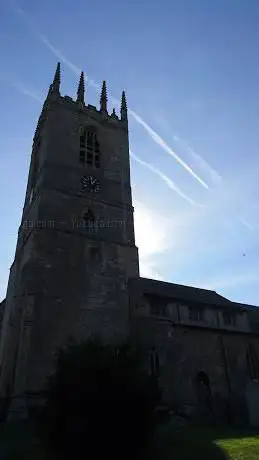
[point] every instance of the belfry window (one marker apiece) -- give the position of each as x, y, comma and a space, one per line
89, 148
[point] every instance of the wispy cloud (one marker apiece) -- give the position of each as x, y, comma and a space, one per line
153, 134
10, 80
165, 179
25, 90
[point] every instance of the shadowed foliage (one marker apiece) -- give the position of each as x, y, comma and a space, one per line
101, 401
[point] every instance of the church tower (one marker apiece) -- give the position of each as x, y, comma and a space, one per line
76, 247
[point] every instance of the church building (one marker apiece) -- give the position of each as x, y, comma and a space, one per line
76, 274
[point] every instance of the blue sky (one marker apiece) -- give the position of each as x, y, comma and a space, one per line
191, 73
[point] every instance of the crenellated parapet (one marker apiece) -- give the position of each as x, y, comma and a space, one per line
54, 95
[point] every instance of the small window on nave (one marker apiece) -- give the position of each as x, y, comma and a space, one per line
196, 314
157, 309
229, 318
89, 152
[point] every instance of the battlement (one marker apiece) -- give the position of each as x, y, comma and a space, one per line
54, 92
92, 110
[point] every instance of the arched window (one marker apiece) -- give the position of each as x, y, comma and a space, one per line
203, 379
89, 148
154, 363
203, 391
252, 363
88, 219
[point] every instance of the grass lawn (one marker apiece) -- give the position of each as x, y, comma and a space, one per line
240, 448
18, 442
205, 443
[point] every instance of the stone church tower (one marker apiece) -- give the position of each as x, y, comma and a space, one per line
76, 248
75, 274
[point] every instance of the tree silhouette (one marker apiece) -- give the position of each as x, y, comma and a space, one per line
100, 401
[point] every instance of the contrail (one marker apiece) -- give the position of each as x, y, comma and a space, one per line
20, 87
246, 223
158, 139
46, 42
215, 176
59, 55
153, 134
165, 178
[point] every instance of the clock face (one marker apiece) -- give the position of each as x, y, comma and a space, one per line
90, 183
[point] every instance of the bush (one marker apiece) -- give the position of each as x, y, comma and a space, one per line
100, 401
